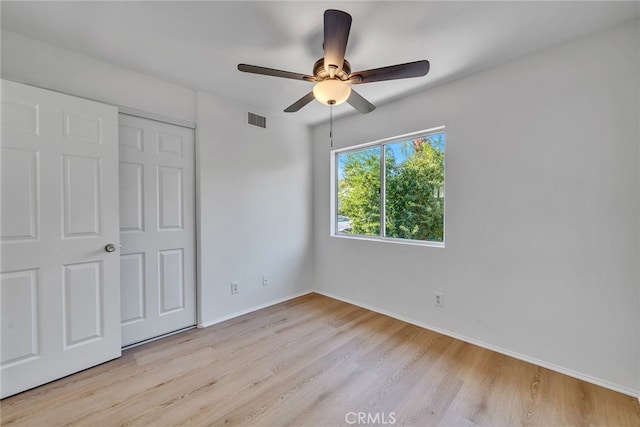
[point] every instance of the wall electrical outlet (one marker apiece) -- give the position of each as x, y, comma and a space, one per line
265, 281
234, 287
438, 299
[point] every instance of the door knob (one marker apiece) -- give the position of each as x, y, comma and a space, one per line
110, 247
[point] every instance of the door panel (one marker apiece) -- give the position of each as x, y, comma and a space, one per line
157, 228
131, 197
59, 288
81, 191
82, 302
171, 280
19, 316
132, 287
170, 198
82, 127
19, 177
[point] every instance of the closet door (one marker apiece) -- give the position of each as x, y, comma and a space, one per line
157, 228
60, 270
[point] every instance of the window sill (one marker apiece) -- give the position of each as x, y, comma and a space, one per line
390, 240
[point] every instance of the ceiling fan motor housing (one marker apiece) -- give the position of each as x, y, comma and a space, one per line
321, 74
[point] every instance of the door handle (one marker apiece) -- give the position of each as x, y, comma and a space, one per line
110, 247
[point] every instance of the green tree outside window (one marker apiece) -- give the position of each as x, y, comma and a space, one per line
413, 189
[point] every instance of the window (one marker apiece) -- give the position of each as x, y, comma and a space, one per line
391, 189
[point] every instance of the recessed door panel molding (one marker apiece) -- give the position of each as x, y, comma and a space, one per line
20, 117
132, 288
130, 138
59, 287
131, 197
83, 128
20, 177
169, 143
171, 280
19, 296
83, 305
165, 247
170, 200
81, 196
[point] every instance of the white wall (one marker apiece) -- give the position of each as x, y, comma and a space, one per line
255, 209
254, 185
33, 62
542, 208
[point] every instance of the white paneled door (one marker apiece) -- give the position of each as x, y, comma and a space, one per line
157, 228
59, 287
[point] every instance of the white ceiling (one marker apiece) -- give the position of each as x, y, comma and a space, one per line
198, 44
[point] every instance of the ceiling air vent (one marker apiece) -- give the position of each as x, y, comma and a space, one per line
257, 120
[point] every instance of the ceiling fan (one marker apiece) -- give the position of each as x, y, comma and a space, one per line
332, 73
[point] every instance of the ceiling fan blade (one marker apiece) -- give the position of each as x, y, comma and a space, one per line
392, 72
300, 103
254, 69
359, 103
336, 34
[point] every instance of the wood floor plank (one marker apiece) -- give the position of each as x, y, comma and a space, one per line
316, 361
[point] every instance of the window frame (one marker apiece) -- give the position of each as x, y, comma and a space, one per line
334, 193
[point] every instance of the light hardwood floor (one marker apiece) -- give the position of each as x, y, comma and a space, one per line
315, 361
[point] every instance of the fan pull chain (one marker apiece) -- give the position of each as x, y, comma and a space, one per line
331, 125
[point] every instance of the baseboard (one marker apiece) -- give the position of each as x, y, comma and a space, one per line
252, 309
523, 357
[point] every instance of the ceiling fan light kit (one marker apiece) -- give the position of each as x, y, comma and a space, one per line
331, 92
332, 73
